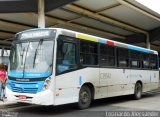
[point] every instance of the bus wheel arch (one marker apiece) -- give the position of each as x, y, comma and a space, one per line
139, 81
86, 95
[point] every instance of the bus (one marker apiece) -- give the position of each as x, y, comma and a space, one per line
54, 66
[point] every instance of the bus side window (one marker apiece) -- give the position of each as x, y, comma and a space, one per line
66, 56
107, 55
123, 57
135, 59
145, 60
153, 61
88, 53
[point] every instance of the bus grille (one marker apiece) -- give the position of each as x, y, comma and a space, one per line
24, 87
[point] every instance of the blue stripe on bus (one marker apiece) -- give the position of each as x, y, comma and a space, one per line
102, 41
81, 80
16, 74
139, 49
29, 74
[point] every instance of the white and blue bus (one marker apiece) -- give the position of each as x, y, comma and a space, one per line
55, 66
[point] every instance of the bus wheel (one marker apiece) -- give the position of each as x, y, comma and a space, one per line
138, 91
84, 98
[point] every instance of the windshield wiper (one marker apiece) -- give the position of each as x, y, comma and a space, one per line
35, 55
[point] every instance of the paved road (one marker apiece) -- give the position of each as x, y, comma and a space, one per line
97, 109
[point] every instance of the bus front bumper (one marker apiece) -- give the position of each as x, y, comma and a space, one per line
40, 98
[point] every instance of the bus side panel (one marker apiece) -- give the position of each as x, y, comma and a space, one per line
154, 79
68, 85
143, 76
119, 82
116, 80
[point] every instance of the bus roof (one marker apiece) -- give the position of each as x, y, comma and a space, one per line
103, 40
97, 39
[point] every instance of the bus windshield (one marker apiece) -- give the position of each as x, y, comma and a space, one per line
31, 59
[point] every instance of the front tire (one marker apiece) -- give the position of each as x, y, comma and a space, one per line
84, 98
138, 91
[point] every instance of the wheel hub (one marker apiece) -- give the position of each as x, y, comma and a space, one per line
84, 97
138, 90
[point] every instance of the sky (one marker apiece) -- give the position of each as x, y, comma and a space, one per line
152, 4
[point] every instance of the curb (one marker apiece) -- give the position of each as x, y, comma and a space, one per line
8, 105
12, 105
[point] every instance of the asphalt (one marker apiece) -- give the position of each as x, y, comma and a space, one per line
7, 104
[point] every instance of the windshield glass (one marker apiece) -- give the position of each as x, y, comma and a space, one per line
17, 57
31, 59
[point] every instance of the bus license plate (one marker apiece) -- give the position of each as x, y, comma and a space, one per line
22, 97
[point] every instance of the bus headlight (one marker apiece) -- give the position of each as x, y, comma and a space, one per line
46, 84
